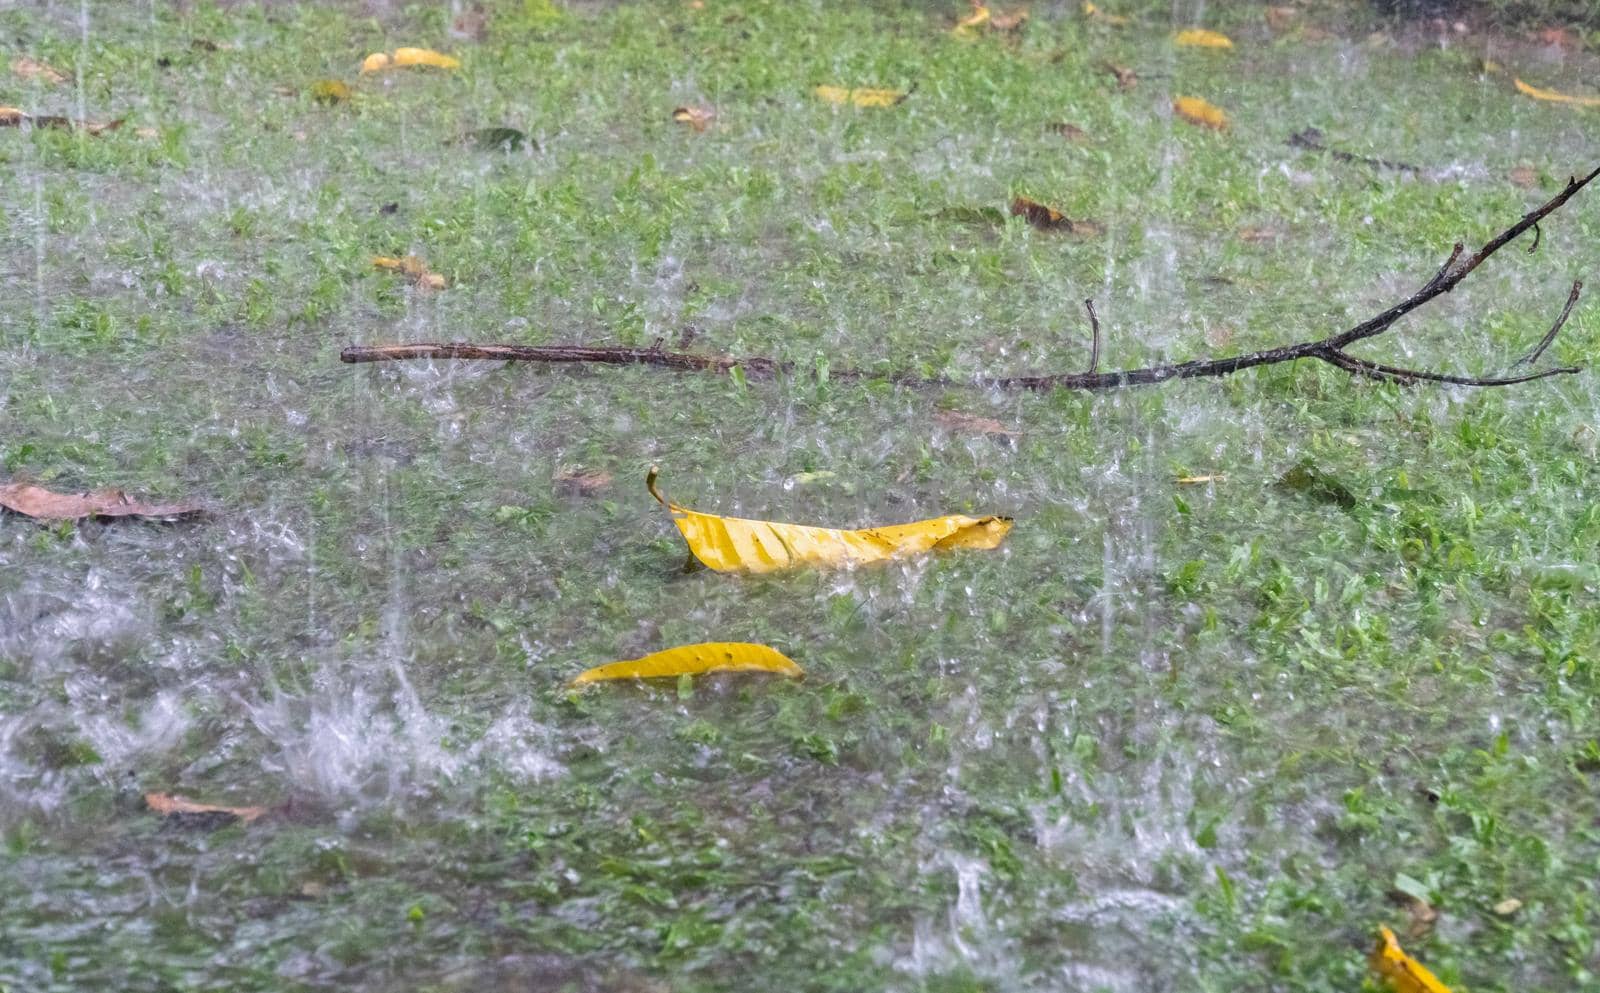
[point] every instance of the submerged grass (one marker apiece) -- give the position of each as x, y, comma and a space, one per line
1170, 737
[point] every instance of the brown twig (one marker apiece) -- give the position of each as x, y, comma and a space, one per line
1332, 349
1311, 140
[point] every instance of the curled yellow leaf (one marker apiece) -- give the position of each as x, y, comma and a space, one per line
978, 18
402, 57
692, 660
413, 268
1404, 973
861, 96
1197, 111
1553, 97
1201, 38
736, 544
376, 62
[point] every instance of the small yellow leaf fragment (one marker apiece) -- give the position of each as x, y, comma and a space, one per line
1197, 480
1552, 96
330, 91
1404, 973
413, 268
1197, 111
376, 62
734, 544
693, 660
26, 68
969, 25
698, 118
861, 96
1508, 906
1201, 38
1094, 13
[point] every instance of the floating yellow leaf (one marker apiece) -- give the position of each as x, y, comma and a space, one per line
1201, 38
1197, 111
698, 118
861, 96
1554, 97
412, 267
733, 544
969, 25
26, 68
1404, 973
691, 660
1096, 14
402, 57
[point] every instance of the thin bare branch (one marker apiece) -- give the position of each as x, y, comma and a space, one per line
1331, 349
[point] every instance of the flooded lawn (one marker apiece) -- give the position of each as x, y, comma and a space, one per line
1265, 661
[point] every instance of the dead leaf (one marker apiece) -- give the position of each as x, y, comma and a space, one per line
26, 68
12, 117
1094, 13
1071, 132
969, 25
1259, 234
45, 505
330, 91
861, 96
1281, 19
1197, 111
1421, 914
1553, 97
1047, 218
1009, 22
413, 268
954, 420
1508, 906
471, 24
1404, 973
733, 544
584, 482
1201, 38
1561, 38
1127, 79
699, 118
1526, 177
403, 57
171, 805
694, 660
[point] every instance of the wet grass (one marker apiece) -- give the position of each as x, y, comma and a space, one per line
1170, 737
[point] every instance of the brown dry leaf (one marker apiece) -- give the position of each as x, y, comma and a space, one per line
1009, 22
1526, 177
699, 118
1197, 111
1259, 234
12, 117
955, 420
1201, 38
26, 68
1219, 335
46, 505
1420, 914
1127, 79
1561, 38
1047, 218
584, 482
1551, 96
169, 805
1281, 19
1071, 132
1094, 13
413, 268
471, 24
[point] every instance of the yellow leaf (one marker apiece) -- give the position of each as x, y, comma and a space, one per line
378, 61
330, 91
1096, 14
861, 97
734, 544
1201, 38
1197, 111
1404, 973
710, 656
424, 57
978, 18
1553, 96
413, 268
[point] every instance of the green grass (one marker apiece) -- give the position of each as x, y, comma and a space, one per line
1169, 737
